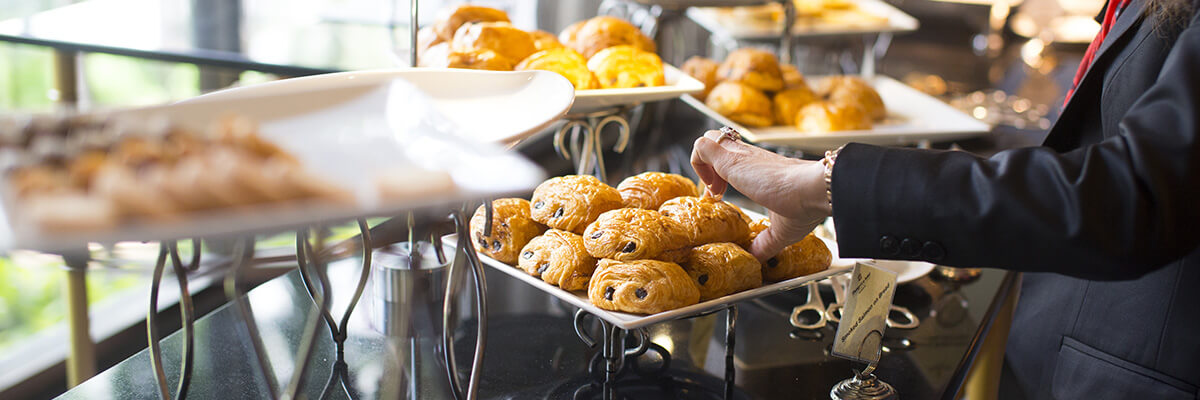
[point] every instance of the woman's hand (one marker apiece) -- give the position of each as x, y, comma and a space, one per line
793, 190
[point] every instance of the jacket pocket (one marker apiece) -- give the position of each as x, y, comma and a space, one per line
1083, 371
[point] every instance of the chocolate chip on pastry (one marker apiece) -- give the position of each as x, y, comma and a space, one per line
806, 257
707, 220
641, 287
559, 258
572, 202
649, 190
512, 229
721, 269
633, 234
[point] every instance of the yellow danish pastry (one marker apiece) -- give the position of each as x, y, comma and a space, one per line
572, 202
632, 234
627, 67
650, 189
806, 257
559, 258
565, 62
641, 287
707, 220
512, 228
721, 269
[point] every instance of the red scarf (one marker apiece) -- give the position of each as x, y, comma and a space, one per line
1110, 15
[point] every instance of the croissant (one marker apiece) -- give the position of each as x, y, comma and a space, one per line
650, 189
707, 220
633, 234
572, 202
806, 257
721, 269
559, 258
512, 228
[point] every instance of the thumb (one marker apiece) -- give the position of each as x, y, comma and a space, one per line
704, 152
781, 233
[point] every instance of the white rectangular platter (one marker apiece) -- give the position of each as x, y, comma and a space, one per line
420, 130
913, 117
723, 23
633, 321
677, 84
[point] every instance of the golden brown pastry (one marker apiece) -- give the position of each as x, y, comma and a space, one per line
650, 189
559, 258
756, 68
721, 269
478, 59
512, 229
853, 90
806, 257
641, 287
426, 38
500, 37
572, 202
543, 40
591, 36
787, 104
827, 116
704, 70
792, 78
740, 103
454, 18
626, 67
707, 220
565, 62
633, 234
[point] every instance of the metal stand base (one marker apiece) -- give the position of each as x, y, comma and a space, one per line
586, 147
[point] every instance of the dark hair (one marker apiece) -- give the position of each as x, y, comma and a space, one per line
1169, 16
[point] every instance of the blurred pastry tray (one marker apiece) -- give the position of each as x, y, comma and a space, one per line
677, 84
349, 128
633, 321
724, 22
912, 117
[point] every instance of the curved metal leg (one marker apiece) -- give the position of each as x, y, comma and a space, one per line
233, 284
730, 329
322, 299
467, 249
187, 313
597, 142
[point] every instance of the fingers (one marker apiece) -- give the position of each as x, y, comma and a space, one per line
703, 151
782, 232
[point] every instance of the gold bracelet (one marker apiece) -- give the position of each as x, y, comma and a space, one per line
830, 158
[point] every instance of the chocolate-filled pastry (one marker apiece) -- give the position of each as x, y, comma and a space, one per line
466, 13
641, 287
565, 62
649, 190
704, 70
788, 103
741, 103
721, 269
590, 36
633, 234
848, 89
559, 258
572, 202
500, 37
806, 257
483, 59
707, 220
756, 68
626, 67
512, 228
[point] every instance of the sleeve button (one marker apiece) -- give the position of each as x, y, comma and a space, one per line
889, 245
933, 251
909, 248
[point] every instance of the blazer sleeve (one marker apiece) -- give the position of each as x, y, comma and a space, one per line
1112, 210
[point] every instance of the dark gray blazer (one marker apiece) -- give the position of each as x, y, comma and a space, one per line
1104, 218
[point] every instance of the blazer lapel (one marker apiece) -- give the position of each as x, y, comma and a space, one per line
1121, 27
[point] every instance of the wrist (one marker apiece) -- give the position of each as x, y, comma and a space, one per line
816, 196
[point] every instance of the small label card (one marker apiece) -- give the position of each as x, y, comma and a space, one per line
864, 316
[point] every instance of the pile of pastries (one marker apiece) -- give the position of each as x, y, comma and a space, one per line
92, 173
812, 15
598, 53
649, 245
752, 88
